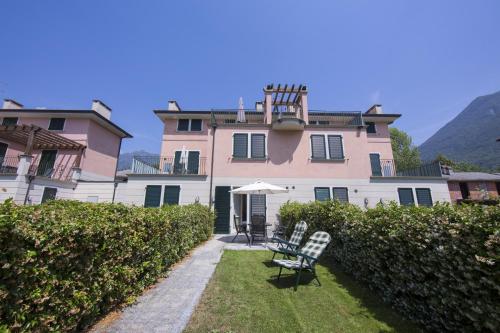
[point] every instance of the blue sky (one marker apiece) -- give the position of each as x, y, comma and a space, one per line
424, 59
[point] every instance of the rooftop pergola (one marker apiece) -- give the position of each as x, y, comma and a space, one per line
35, 137
286, 95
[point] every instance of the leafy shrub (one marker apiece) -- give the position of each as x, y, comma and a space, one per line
65, 263
438, 265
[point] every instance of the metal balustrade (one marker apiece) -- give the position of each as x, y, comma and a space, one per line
168, 165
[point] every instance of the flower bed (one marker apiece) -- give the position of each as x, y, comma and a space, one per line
66, 263
438, 266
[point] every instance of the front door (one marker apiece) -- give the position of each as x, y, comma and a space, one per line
222, 205
46, 165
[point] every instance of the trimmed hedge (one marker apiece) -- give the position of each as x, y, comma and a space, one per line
65, 263
438, 266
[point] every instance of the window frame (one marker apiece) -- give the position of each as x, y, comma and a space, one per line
43, 192
63, 125
189, 129
368, 124
412, 196
322, 188
327, 147
16, 118
249, 146
430, 195
188, 150
341, 188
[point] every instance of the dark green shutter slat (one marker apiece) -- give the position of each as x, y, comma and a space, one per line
424, 197
195, 124
375, 163
258, 145
49, 193
222, 205
340, 194
153, 196
406, 196
335, 147
321, 193
193, 162
177, 162
240, 145
257, 204
183, 125
318, 146
171, 195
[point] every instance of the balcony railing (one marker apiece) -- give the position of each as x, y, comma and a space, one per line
168, 165
388, 169
8, 164
48, 169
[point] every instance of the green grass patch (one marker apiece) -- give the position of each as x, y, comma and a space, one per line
244, 296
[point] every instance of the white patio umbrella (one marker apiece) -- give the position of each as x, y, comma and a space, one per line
259, 187
240, 118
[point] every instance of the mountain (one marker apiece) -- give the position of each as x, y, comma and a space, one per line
125, 159
470, 136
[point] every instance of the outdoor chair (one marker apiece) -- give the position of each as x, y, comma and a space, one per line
307, 257
285, 247
240, 228
258, 228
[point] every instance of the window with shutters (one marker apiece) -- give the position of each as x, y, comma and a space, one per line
257, 204
321, 193
171, 195
56, 124
49, 193
340, 194
318, 147
153, 196
370, 128
9, 121
258, 146
375, 164
249, 145
424, 197
327, 147
189, 125
406, 196
188, 164
335, 147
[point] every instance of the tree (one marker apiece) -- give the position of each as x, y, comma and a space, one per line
406, 155
458, 166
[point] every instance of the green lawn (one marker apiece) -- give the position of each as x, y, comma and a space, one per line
244, 296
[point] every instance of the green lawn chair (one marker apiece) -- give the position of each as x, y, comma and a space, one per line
307, 257
288, 247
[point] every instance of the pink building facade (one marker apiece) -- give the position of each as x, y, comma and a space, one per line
57, 149
316, 155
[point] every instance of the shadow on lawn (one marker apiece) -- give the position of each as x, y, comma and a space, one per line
374, 305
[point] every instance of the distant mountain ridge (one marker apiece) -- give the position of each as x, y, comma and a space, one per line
470, 136
125, 159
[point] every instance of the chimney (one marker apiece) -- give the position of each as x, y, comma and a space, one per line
259, 106
173, 106
375, 109
11, 104
101, 108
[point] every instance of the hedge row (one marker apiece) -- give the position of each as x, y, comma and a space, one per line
66, 263
438, 266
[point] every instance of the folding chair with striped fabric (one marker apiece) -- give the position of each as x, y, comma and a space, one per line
307, 257
288, 247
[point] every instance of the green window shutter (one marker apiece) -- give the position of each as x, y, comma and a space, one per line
406, 196
321, 193
177, 163
318, 146
335, 147
193, 162
171, 195
258, 146
240, 145
340, 194
153, 196
46, 164
424, 197
370, 128
56, 124
196, 125
375, 163
9, 121
257, 204
49, 193
183, 125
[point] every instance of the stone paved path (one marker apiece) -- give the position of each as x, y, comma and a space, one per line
167, 307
